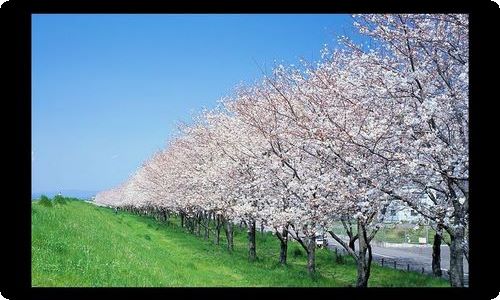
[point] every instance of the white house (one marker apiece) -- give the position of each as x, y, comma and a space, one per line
397, 212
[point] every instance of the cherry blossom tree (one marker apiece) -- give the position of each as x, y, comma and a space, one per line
337, 141
429, 56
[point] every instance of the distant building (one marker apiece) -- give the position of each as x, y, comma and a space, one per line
400, 213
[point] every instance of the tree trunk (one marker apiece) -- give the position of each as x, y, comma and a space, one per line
191, 224
364, 257
252, 255
198, 224
283, 237
182, 220
352, 244
217, 230
229, 235
207, 226
436, 253
457, 258
311, 255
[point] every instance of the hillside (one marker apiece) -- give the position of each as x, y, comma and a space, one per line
79, 244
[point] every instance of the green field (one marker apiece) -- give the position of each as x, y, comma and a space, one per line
399, 233
81, 245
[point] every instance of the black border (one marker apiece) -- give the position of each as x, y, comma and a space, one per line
15, 17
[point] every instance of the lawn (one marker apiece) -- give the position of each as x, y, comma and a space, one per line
399, 233
81, 245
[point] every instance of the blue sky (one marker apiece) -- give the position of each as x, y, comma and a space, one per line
108, 90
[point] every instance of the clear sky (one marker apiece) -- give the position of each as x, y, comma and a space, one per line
108, 90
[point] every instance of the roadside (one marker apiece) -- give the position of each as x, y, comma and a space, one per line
416, 258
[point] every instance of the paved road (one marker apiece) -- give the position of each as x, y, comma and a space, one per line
417, 257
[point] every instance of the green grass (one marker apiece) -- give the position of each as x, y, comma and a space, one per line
79, 244
399, 233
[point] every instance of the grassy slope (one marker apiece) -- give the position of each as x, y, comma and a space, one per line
79, 244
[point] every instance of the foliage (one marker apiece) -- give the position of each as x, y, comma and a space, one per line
297, 252
45, 201
339, 259
58, 199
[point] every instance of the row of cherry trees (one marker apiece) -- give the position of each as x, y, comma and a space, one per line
336, 141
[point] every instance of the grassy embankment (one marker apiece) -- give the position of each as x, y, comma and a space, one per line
79, 244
